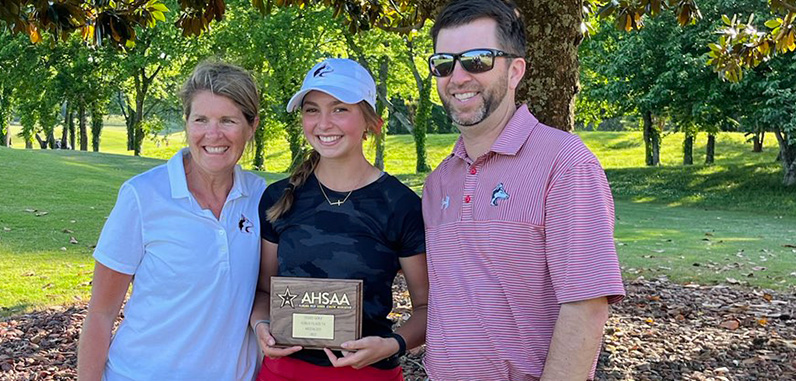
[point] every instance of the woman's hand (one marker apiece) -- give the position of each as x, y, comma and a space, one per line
267, 342
363, 352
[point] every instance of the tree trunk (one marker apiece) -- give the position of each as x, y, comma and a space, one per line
757, 141
51, 137
81, 120
3, 129
655, 140
381, 89
688, 149
42, 142
71, 127
5, 113
551, 80
129, 122
258, 162
652, 140
710, 149
295, 135
422, 120
138, 128
96, 127
65, 129
787, 152
28, 122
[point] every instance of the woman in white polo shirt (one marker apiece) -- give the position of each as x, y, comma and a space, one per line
185, 234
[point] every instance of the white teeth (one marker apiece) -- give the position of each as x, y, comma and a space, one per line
216, 149
464, 96
328, 139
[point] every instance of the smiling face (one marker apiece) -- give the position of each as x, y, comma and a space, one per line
471, 99
217, 133
333, 128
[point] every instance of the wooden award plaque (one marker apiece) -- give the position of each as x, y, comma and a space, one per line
315, 313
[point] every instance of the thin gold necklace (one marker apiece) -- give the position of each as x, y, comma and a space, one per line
338, 202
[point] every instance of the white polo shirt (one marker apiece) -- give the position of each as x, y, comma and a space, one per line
195, 277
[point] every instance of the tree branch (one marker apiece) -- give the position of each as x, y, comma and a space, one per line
360, 54
121, 104
402, 29
151, 106
410, 52
398, 115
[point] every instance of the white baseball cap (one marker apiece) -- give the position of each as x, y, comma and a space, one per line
341, 78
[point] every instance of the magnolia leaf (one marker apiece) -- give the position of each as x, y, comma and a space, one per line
160, 7
774, 23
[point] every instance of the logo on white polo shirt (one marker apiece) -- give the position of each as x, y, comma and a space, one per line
244, 224
499, 193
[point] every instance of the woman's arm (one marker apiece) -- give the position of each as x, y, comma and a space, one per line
108, 290
261, 310
372, 349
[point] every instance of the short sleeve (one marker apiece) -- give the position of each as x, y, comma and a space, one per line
579, 245
267, 231
412, 237
121, 243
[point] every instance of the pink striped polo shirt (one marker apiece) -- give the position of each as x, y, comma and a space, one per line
509, 237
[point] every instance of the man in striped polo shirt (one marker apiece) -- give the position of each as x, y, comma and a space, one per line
519, 219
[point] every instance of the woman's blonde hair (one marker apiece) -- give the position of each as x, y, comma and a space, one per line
226, 80
308, 164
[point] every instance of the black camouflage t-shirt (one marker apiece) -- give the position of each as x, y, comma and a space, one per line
360, 239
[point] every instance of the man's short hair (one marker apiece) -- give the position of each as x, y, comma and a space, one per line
510, 28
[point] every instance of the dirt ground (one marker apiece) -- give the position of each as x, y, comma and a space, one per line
661, 331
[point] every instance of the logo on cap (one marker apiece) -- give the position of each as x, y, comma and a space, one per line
322, 71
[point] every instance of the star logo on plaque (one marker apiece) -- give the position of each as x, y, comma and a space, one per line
287, 298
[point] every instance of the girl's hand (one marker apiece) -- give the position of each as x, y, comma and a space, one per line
363, 352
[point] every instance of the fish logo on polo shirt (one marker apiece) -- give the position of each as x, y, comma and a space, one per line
244, 224
499, 193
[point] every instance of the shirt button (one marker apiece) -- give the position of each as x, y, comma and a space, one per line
221, 232
467, 199
473, 171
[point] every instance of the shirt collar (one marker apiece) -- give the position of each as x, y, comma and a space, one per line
179, 183
511, 139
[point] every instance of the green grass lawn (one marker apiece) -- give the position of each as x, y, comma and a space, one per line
700, 223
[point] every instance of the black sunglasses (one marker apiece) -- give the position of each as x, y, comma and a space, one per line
473, 61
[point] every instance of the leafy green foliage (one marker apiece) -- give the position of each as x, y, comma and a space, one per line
741, 45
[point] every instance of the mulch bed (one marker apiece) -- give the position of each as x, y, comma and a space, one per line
661, 331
